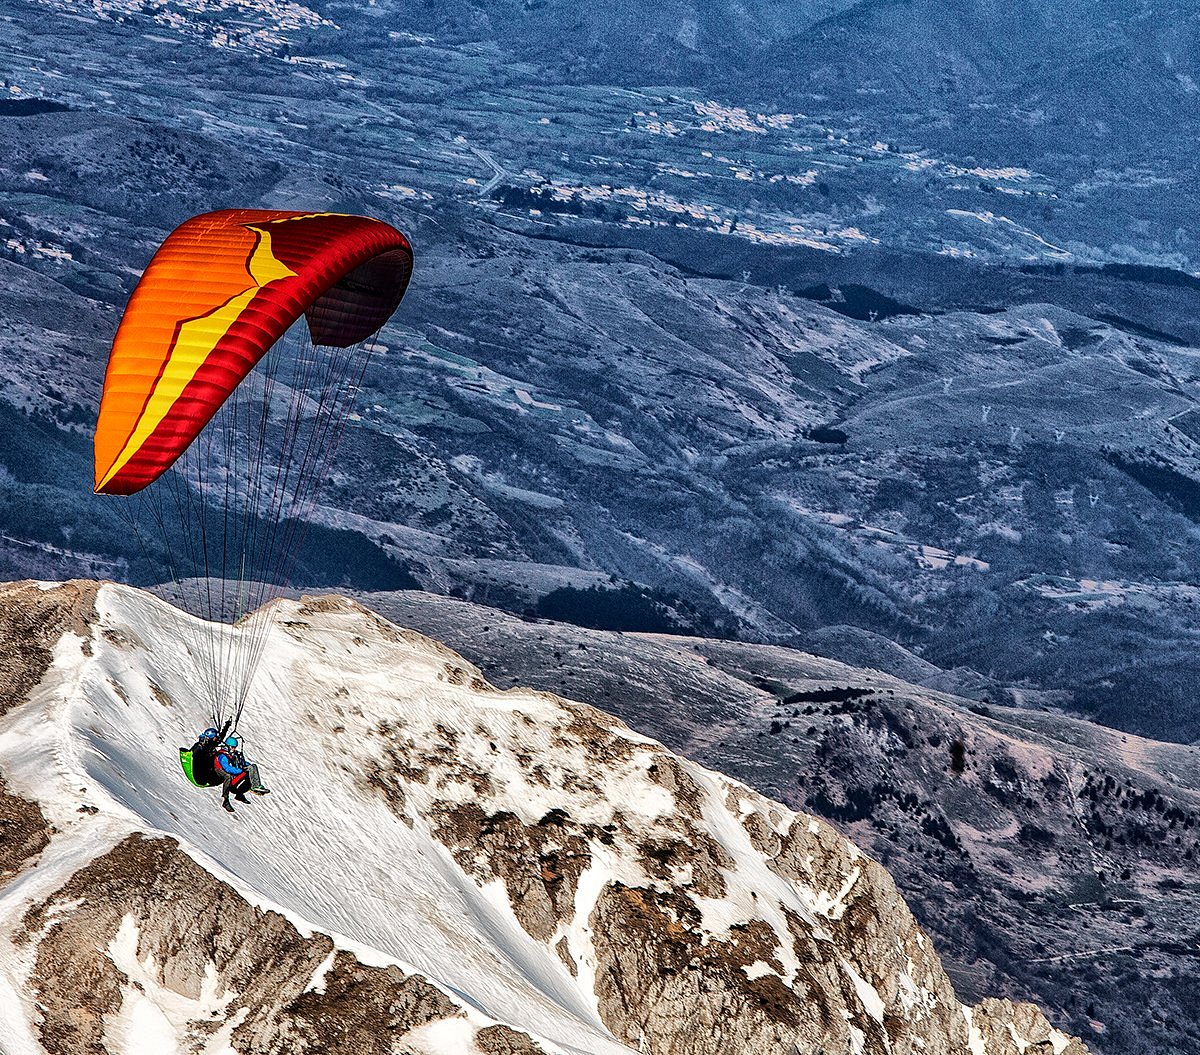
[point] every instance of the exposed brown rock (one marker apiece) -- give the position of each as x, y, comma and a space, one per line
877, 933
188, 922
691, 853
362, 1010
23, 832
998, 1020
31, 622
501, 1040
594, 730
319, 605
691, 850
661, 986
562, 948
540, 864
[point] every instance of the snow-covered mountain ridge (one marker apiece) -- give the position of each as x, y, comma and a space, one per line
443, 866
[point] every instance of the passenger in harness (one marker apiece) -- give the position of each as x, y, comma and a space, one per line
238, 775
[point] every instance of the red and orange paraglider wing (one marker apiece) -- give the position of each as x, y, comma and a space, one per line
219, 292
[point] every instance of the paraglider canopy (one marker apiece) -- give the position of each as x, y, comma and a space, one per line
222, 412
219, 292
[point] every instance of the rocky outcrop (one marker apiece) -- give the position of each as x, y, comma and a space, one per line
32, 619
501, 1040
146, 917
24, 833
1002, 1027
663, 988
541, 863
690, 951
1003, 827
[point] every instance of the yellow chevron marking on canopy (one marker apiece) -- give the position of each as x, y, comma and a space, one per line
195, 342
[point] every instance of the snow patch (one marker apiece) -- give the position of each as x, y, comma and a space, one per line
758, 969
316, 984
975, 1044
868, 995
915, 1000
834, 907
153, 1018
447, 1036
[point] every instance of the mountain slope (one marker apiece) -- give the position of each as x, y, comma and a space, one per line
469, 866
1051, 859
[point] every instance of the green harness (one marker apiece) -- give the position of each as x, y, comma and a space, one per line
185, 760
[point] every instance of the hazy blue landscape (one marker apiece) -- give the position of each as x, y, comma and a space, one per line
800, 345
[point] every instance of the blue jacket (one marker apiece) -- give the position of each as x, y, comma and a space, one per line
227, 762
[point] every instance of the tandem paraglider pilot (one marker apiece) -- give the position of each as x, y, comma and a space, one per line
211, 761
